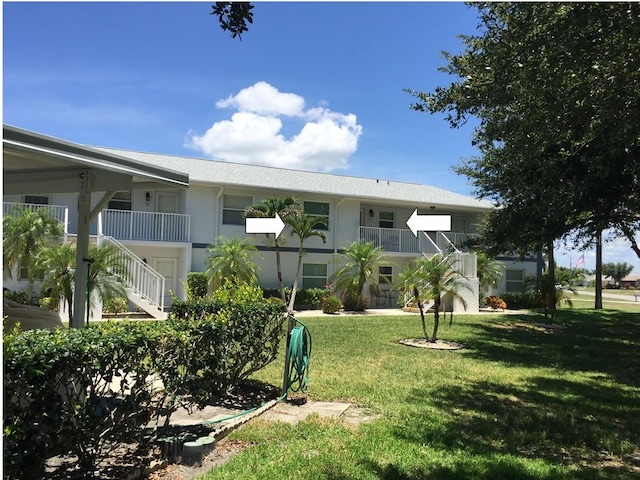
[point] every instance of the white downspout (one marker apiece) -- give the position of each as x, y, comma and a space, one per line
217, 224
335, 235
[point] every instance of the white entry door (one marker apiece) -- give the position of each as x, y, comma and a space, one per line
167, 267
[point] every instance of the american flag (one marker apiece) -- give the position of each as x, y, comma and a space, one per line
580, 261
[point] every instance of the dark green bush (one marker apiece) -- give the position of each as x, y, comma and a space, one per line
306, 299
197, 285
331, 304
353, 302
73, 391
16, 296
311, 298
523, 301
60, 395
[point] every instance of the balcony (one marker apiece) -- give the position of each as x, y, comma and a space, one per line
398, 240
145, 226
58, 212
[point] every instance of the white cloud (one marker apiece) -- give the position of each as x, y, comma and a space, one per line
254, 133
264, 99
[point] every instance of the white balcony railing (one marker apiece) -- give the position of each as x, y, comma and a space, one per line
391, 239
466, 264
58, 212
154, 226
404, 241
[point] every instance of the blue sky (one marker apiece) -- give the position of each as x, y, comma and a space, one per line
318, 85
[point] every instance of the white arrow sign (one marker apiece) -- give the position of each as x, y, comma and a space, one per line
428, 223
265, 225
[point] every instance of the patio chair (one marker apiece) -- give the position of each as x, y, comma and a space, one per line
378, 295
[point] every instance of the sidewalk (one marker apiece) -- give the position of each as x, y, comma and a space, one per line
612, 296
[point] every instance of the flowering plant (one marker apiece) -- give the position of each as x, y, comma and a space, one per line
496, 303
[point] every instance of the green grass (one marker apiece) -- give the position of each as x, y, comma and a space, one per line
518, 403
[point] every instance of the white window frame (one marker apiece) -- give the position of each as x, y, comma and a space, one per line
314, 278
246, 200
318, 215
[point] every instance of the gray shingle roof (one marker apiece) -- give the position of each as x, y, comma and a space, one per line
236, 174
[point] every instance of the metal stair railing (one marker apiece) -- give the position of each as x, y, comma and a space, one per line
141, 278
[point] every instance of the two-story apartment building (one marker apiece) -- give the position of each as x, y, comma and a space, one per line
168, 229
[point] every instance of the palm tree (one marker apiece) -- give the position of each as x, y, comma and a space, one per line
489, 272
438, 278
23, 236
106, 272
231, 260
361, 262
304, 226
284, 207
56, 265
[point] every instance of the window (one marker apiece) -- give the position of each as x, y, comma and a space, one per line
320, 210
386, 220
233, 209
120, 201
386, 275
314, 275
36, 199
514, 281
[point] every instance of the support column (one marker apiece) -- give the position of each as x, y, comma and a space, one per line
82, 252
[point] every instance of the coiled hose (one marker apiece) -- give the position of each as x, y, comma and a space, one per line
297, 360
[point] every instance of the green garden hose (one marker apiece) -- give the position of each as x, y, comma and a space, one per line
297, 360
298, 357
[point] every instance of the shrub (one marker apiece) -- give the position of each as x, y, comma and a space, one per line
354, 302
520, 301
306, 299
49, 303
311, 298
75, 391
496, 303
16, 296
331, 304
115, 305
197, 285
248, 330
59, 396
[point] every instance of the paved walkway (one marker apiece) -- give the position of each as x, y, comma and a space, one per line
612, 296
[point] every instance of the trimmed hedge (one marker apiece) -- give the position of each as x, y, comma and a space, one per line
306, 299
76, 391
523, 301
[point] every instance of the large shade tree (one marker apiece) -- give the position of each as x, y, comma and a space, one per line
556, 89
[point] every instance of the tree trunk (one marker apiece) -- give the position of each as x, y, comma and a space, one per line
416, 297
436, 320
279, 269
598, 300
552, 282
294, 290
70, 307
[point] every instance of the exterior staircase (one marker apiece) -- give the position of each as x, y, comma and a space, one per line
144, 285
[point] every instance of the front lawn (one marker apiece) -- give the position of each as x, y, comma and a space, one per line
520, 402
